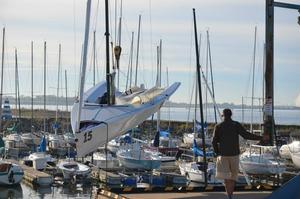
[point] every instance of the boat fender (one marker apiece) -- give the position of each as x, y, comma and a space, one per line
11, 177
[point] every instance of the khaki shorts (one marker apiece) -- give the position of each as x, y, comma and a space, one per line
227, 167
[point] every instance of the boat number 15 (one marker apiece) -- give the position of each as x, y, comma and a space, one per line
87, 136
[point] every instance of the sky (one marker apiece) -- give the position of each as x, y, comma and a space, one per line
231, 25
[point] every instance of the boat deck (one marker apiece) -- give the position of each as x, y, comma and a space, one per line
33, 176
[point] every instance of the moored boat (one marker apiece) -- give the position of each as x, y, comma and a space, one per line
10, 173
74, 170
261, 160
134, 157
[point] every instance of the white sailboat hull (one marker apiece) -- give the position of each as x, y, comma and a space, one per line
296, 159
10, 174
259, 164
108, 122
194, 174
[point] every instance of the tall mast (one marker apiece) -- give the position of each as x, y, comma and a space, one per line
17, 87
200, 97
253, 78
118, 49
2, 67
211, 76
94, 58
169, 117
83, 68
206, 75
31, 86
66, 85
109, 77
195, 108
158, 83
131, 59
137, 51
45, 87
57, 90
129, 73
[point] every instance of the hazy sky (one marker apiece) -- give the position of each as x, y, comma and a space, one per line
230, 22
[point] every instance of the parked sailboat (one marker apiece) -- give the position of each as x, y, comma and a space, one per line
104, 113
261, 160
195, 172
10, 173
134, 157
40, 160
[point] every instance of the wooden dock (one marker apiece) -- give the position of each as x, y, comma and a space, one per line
34, 176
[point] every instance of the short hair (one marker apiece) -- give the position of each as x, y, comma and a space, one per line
227, 113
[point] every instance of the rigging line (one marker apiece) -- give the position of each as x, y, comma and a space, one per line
190, 105
96, 16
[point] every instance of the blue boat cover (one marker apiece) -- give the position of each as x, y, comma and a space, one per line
43, 144
199, 152
164, 133
289, 190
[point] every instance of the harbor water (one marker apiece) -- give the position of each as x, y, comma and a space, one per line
58, 192
282, 116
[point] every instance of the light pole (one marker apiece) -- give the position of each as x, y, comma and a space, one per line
269, 124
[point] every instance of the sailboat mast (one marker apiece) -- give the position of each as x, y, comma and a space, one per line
137, 51
2, 67
108, 75
45, 87
158, 83
129, 73
31, 86
253, 78
94, 58
200, 97
84, 57
17, 86
211, 76
206, 75
66, 85
57, 90
195, 108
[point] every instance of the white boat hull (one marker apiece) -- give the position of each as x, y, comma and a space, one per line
112, 121
258, 164
139, 164
196, 175
79, 171
10, 174
296, 159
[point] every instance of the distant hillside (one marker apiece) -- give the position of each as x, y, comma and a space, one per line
225, 105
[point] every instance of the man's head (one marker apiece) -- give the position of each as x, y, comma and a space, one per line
227, 113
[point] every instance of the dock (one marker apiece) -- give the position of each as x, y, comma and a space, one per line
34, 176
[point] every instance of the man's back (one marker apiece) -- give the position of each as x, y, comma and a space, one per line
226, 137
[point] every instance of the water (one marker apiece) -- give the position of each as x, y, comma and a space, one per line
283, 117
59, 192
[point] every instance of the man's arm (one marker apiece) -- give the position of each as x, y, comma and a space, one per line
246, 135
216, 139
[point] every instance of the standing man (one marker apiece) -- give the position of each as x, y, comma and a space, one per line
226, 146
